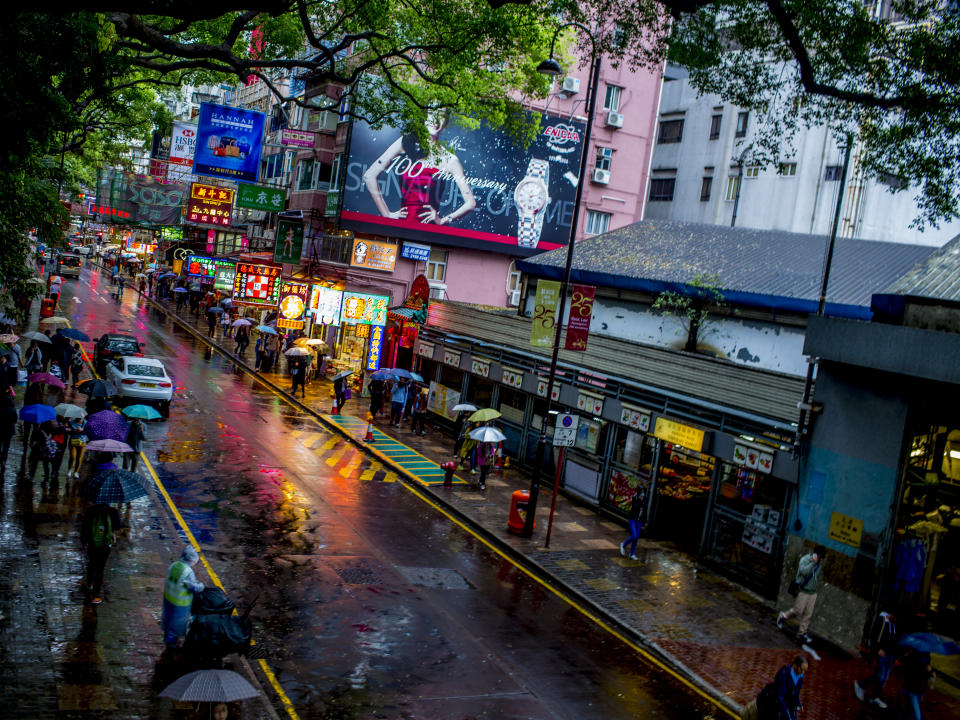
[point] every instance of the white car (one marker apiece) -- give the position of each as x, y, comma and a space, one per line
143, 379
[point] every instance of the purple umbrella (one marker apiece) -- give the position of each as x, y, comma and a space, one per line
46, 379
107, 425
113, 446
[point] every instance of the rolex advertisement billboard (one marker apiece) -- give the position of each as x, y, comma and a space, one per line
472, 188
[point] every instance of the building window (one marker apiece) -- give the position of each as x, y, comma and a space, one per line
604, 156
336, 248
705, 186
513, 279
335, 173
324, 172
661, 189
611, 100
597, 222
751, 171
743, 120
437, 265
733, 187
832, 172
893, 181
787, 169
671, 131
305, 174
715, 126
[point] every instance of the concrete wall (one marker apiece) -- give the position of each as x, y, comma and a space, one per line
475, 276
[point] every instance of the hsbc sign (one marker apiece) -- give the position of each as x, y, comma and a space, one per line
182, 145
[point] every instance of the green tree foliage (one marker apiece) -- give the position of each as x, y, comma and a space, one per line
692, 307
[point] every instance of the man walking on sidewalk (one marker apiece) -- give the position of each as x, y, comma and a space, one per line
635, 523
884, 641
398, 400
97, 534
780, 700
807, 585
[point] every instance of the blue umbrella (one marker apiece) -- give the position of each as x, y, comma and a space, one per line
107, 425
169, 274
930, 643
37, 413
74, 334
215, 310
114, 486
144, 412
267, 329
401, 373
180, 290
381, 374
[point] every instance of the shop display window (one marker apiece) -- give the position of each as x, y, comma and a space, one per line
633, 450
451, 377
623, 486
479, 391
742, 490
684, 474
427, 368
512, 404
590, 435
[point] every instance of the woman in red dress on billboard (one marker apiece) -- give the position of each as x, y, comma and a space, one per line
419, 181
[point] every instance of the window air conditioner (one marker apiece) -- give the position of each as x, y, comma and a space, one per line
438, 293
514, 297
614, 119
601, 176
570, 85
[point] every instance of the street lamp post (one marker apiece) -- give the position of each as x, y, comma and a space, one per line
552, 67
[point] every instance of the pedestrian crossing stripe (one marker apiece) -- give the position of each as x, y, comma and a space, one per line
337, 454
327, 445
309, 438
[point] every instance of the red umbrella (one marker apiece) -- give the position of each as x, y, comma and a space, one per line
46, 379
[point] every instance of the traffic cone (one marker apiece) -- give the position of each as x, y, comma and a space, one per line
335, 411
369, 436
499, 461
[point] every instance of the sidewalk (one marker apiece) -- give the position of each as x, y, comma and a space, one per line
709, 629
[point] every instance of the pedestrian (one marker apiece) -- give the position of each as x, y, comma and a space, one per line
181, 299
211, 324
178, 591
8, 427
918, 677
34, 360
807, 585
98, 532
43, 448
340, 392
398, 399
298, 379
14, 360
134, 439
780, 700
468, 452
242, 339
882, 643
142, 286
412, 391
460, 431
420, 412
635, 522
376, 397
76, 363
225, 324
77, 434
485, 453
258, 353
60, 436
55, 293
270, 353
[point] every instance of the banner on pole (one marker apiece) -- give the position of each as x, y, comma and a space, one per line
545, 314
578, 321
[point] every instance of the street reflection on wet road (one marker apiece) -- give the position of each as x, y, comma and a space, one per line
369, 603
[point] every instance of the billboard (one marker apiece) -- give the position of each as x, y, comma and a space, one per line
127, 198
198, 266
360, 309
183, 143
257, 197
229, 141
289, 242
256, 284
226, 270
373, 254
210, 205
477, 188
325, 304
293, 305
298, 138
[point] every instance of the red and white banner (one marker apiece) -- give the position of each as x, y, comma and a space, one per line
578, 321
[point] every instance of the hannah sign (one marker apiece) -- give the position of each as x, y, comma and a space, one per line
229, 142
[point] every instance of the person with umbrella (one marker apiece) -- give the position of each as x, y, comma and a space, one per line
77, 437
181, 293
340, 389
376, 396
76, 363
398, 400
298, 377
8, 426
918, 677
258, 352
14, 360
226, 326
34, 359
43, 449
242, 339
420, 412
98, 529
134, 439
178, 590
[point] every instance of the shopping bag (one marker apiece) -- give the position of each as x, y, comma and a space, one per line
347, 394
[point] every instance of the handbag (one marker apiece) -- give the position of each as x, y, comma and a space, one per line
793, 589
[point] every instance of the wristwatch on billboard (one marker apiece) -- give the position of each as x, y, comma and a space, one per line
531, 197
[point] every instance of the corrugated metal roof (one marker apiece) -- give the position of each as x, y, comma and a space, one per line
757, 392
757, 265
936, 276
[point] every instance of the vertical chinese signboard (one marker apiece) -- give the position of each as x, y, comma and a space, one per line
226, 271
545, 314
376, 348
209, 205
293, 305
256, 285
578, 321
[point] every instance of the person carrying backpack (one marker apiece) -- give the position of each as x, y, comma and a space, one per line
178, 590
98, 530
43, 449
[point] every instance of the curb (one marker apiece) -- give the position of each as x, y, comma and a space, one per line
517, 556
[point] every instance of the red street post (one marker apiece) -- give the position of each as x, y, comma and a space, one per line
553, 501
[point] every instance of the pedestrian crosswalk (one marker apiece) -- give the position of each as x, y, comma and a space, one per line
349, 461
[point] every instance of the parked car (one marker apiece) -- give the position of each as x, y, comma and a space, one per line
69, 264
113, 346
84, 250
144, 379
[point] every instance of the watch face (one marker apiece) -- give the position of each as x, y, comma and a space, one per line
530, 195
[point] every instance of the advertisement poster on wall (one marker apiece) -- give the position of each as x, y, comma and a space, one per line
374, 254
183, 143
289, 242
442, 399
126, 198
257, 285
474, 188
229, 142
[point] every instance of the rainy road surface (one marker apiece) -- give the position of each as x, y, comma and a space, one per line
369, 602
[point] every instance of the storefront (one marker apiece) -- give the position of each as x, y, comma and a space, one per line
359, 343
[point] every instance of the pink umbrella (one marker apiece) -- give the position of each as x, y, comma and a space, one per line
46, 379
114, 446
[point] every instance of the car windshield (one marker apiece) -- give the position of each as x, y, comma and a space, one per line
145, 370
122, 346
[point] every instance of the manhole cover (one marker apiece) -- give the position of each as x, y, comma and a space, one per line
358, 576
439, 578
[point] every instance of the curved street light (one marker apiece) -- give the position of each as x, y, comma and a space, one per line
552, 68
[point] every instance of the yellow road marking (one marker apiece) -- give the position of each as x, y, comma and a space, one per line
416, 490
348, 469
309, 438
368, 474
337, 454
391, 477
327, 445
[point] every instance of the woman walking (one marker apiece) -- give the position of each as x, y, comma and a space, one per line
134, 439
77, 433
635, 523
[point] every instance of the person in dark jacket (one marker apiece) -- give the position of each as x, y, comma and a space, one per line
340, 392
635, 522
883, 644
780, 700
98, 528
376, 397
917, 676
8, 426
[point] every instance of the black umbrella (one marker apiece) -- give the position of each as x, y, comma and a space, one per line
97, 388
215, 310
114, 486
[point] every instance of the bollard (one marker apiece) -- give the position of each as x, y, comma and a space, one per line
369, 436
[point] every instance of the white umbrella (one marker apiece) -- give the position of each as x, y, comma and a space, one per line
241, 321
54, 279
297, 352
464, 407
34, 335
487, 434
320, 344
210, 686
70, 411
56, 320
343, 374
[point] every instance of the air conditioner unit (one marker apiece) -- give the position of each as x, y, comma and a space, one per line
438, 293
514, 298
601, 176
614, 119
570, 85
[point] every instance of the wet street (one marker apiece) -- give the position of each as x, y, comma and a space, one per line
369, 602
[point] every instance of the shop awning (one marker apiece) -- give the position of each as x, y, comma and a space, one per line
405, 314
